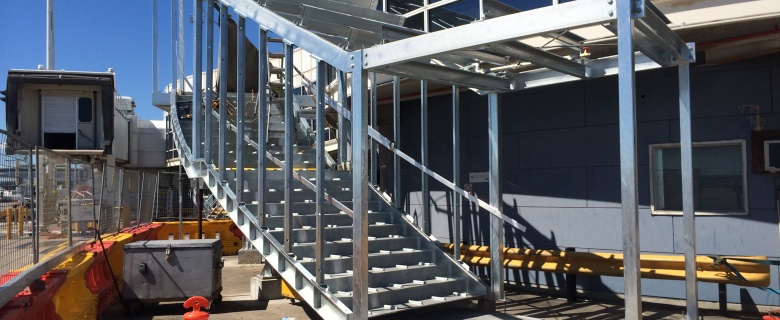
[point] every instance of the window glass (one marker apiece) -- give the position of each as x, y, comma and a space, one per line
85, 110
718, 178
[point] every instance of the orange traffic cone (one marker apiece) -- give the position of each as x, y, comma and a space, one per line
196, 303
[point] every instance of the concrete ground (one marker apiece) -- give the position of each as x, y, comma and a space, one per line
237, 304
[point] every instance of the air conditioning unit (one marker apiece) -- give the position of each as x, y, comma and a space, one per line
772, 156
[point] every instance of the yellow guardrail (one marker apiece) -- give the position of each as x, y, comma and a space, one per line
653, 266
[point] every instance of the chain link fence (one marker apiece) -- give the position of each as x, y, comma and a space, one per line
148, 198
175, 195
16, 204
53, 218
110, 210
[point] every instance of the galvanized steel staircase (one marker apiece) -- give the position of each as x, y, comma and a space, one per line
406, 268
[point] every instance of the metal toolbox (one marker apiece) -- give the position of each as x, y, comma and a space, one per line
171, 270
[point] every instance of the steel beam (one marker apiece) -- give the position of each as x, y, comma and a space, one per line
496, 291
456, 210
567, 16
207, 117
289, 135
437, 73
240, 114
425, 219
286, 29
223, 88
598, 68
689, 215
262, 123
628, 163
397, 141
360, 303
524, 52
322, 68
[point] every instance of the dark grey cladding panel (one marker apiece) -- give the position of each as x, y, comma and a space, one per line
754, 234
643, 181
761, 190
560, 187
655, 232
776, 89
721, 92
652, 133
474, 154
440, 120
569, 227
601, 103
553, 148
544, 109
603, 187
510, 152
714, 129
656, 98
476, 118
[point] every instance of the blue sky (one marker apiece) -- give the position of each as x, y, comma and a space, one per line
90, 35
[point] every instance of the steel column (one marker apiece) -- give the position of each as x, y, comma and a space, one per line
496, 291
628, 169
360, 303
689, 215
397, 140
50, 35
207, 108
456, 210
196, 77
240, 89
425, 219
374, 150
262, 115
155, 49
180, 41
320, 135
36, 218
181, 201
223, 84
174, 59
288, 145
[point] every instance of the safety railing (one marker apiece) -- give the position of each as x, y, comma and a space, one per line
52, 204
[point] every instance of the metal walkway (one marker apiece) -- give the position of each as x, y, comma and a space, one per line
345, 249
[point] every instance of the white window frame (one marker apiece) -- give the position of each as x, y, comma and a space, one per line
740, 142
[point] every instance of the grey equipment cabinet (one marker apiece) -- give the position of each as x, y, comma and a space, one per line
172, 270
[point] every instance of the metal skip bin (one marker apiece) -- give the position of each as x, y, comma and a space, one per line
172, 270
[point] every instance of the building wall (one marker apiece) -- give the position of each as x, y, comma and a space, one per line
560, 166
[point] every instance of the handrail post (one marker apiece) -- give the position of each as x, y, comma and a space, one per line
240, 90
397, 140
425, 220
456, 210
262, 128
373, 167
288, 146
223, 90
320, 123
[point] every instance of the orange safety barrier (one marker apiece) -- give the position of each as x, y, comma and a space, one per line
37, 305
232, 238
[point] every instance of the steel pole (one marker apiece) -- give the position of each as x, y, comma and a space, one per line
69, 183
196, 78
288, 146
207, 116
425, 220
50, 35
240, 90
689, 215
223, 90
397, 139
174, 59
496, 223
359, 187
373, 167
343, 134
628, 170
155, 48
262, 116
456, 210
180, 41
320, 121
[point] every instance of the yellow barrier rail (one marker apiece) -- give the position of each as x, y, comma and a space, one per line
653, 266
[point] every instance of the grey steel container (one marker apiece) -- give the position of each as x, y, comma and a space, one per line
171, 270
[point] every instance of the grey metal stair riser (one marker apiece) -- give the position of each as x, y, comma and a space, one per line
310, 235
409, 292
337, 219
344, 248
381, 260
387, 277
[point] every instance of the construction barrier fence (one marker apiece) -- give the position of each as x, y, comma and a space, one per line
16, 191
176, 197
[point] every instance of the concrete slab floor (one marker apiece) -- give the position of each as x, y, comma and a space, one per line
237, 305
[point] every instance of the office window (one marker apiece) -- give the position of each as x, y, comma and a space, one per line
719, 178
85, 110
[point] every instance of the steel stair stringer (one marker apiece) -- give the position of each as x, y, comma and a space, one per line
302, 281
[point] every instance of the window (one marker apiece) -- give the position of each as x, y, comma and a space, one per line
719, 178
85, 110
